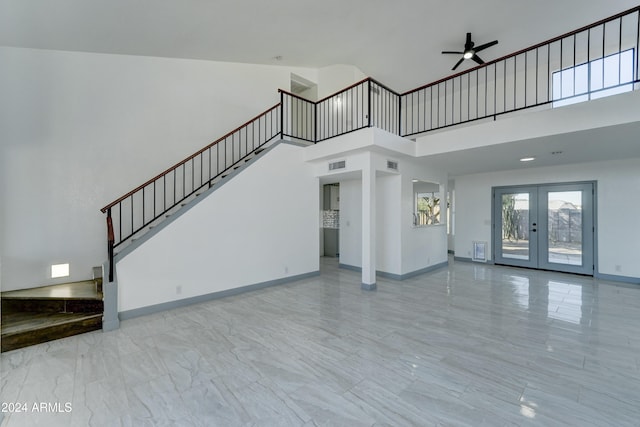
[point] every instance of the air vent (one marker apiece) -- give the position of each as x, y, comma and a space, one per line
375, 89
392, 165
337, 165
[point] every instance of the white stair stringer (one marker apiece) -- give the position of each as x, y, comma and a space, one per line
170, 215
258, 228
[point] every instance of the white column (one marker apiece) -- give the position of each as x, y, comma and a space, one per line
369, 226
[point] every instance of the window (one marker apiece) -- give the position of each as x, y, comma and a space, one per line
427, 203
602, 77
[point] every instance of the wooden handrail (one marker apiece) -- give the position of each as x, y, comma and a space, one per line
160, 175
385, 87
343, 90
268, 121
368, 79
293, 95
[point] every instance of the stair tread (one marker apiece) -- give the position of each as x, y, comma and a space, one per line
69, 291
17, 323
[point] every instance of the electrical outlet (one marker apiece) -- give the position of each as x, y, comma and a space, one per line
618, 268
178, 289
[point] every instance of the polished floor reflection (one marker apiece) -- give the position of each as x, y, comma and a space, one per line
471, 344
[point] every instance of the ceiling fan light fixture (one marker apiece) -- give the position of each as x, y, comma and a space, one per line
470, 51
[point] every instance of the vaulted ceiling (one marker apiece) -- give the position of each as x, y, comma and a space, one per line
397, 42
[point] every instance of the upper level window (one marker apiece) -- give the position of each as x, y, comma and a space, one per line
602, 77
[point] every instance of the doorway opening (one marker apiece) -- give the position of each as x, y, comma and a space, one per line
330, 236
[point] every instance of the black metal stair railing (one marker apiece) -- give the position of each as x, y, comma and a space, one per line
141, 207
593, 61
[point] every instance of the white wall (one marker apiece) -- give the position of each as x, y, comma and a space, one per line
388, 219
262, 225
351, 222
617, 208
422, 247
77, 130
451, 189
388, 246
401, 248
334, 78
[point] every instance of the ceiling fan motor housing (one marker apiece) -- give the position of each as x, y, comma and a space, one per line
470, 51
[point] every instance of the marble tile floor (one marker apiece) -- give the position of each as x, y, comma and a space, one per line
467, 345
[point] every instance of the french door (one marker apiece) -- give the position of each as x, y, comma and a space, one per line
549, 227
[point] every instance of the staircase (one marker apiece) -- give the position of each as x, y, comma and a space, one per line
480, 93
37, 315
144, 208
194, 197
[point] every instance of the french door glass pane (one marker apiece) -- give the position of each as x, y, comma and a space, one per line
565, 227
515, 226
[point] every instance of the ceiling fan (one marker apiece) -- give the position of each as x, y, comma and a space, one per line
470, 51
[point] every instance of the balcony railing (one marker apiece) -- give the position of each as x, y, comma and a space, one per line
593, 61
367, 103
599, 59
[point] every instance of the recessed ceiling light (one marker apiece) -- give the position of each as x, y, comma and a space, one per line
527, 159
414, 180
